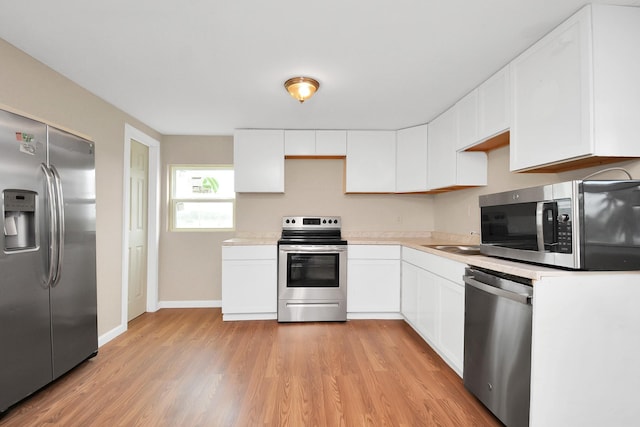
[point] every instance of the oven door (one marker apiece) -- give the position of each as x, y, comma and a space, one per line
312, 282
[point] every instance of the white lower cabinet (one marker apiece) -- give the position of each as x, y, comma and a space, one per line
249, 282
409, 292
433, 302
451, 326
373, 281
428, 305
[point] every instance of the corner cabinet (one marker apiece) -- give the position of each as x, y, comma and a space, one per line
373, 282
575, 93
433, 302
411, 159
258, 157
494, 105
447, 167
371, 162
249, 282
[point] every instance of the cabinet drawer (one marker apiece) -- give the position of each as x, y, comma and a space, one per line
373, 252
439, 265
249, 252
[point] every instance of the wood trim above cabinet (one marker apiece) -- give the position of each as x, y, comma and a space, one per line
308, 157
497, 141
581, 163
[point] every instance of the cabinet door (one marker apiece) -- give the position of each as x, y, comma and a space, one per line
299, 142
494, 105
258, 157
467, 120
471, 168
249, 286
428, 306
441, 159
452, 321
551, 97
409, 293
331, 142
373, 286
371, 162
411, 161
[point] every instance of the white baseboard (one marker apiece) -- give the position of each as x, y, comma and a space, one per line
249, 316
105, 338
374, 316
190, 304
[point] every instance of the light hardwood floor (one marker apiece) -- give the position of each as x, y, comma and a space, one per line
185, 367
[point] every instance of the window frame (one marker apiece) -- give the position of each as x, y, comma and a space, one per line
173, 200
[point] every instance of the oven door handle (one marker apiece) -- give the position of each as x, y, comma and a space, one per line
521, 298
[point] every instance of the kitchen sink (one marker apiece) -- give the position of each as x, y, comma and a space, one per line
457, 249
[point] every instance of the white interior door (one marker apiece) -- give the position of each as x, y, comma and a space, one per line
137, 248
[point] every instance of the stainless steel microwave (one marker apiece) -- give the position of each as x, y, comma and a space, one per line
583, 225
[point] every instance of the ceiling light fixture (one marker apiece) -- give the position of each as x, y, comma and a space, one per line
301, 88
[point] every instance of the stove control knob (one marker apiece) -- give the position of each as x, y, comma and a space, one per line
287, 221
335, 221
293, 221
324, 221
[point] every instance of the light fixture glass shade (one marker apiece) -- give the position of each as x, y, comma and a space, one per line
301, 88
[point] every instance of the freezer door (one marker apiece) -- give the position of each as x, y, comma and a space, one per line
73, 297
25, 341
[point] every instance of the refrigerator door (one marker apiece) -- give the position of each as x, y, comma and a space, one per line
25, 340
73, 295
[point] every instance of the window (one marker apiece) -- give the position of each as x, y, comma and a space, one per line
202, 198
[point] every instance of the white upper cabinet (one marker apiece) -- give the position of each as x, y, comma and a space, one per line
258, 157
299, 142
494, 105
447, 167
331, 142
484, 112
315, 143
576, 92
442, 150
371, 162
411, 160
467, 120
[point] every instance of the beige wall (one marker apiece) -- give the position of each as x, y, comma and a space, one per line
190, 261
29, 87
316, 187
458, 211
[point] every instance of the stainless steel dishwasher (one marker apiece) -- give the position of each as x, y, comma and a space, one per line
497, 343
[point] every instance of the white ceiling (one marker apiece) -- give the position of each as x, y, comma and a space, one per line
205, 67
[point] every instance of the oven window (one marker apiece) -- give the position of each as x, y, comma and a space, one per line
313, 270
511, 226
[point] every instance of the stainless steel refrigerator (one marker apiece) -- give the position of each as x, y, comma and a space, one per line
48, 315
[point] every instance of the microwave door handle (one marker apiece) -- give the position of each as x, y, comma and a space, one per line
540, 225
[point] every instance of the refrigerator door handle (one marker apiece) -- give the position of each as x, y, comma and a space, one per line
60, 224
53, 214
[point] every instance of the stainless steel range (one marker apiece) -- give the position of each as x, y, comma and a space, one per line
312, 270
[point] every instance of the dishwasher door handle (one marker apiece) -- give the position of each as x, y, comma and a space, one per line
521, 298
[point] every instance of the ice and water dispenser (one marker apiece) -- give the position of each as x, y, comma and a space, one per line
19, 207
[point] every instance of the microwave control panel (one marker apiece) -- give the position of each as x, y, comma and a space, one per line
564, 225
